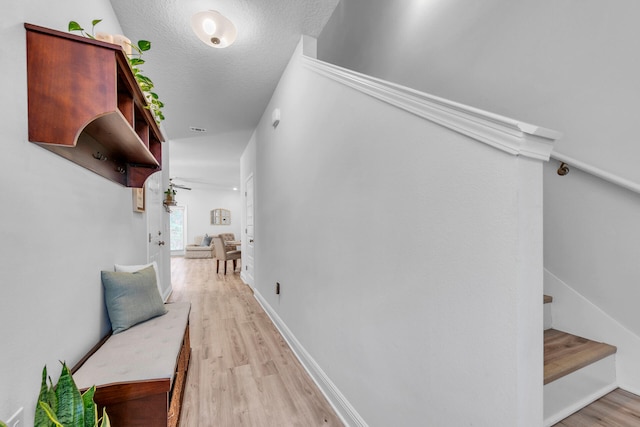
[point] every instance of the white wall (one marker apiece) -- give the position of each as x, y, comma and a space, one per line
61, 225
593, 236
591, 248
562, 64
399, 247
200, 202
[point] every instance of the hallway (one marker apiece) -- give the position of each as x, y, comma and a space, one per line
242, 372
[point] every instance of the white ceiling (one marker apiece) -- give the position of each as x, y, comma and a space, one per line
224, 91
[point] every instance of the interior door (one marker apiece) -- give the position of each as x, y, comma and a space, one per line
249, 230
155, 228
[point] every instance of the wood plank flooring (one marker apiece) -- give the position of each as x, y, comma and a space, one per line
242, 372
565, 353
617, 409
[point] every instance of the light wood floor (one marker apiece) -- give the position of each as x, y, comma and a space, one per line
242, 372
617, 409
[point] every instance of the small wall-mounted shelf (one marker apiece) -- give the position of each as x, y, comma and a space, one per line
85, 105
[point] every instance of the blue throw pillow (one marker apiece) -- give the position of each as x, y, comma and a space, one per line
206, 240
131, 298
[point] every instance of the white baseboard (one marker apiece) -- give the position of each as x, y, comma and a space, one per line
630, 388
337, 400
573, 392
556, 418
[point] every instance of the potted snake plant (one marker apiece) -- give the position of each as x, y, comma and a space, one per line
63, 405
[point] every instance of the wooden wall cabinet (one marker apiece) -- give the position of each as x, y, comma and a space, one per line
85, 105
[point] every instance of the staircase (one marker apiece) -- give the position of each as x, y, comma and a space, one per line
577, 371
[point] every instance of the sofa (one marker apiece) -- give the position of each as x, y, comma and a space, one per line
140, 368
196, 250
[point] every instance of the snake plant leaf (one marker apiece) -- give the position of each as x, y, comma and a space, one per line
48, 396
90, 408
51, 395
144, 45
105, 419
40, 417
52, 416
70, 406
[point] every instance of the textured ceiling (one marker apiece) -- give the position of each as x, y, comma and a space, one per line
224, 91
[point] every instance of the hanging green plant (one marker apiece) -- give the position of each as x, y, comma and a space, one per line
135, 61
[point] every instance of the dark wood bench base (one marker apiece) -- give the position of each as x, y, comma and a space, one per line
145, 403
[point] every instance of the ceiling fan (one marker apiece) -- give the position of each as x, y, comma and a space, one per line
174, 185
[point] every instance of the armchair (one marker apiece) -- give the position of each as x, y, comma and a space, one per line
224, 254
228, 237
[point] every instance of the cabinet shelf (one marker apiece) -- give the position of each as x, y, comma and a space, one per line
86, 106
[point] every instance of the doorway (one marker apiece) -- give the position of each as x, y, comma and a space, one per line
155, 231
248, 247
177, 230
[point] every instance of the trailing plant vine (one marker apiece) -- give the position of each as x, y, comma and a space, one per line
135, 61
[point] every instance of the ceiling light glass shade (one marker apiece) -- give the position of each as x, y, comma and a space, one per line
213, 28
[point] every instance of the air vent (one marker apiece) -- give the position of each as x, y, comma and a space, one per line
195, 129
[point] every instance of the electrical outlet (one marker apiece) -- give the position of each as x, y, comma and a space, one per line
17, 419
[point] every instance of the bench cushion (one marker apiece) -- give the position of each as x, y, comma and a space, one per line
146, 351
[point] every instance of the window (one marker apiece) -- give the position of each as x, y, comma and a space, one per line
176, 227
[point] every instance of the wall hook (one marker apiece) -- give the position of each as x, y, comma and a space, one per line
563, 169
99, 156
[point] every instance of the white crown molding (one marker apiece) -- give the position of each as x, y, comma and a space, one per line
509, 135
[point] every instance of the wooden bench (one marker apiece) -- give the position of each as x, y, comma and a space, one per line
140, 374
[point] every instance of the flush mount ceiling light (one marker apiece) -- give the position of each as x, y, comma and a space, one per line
213, 28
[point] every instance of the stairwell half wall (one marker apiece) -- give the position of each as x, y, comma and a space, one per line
591, 248
409, 255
